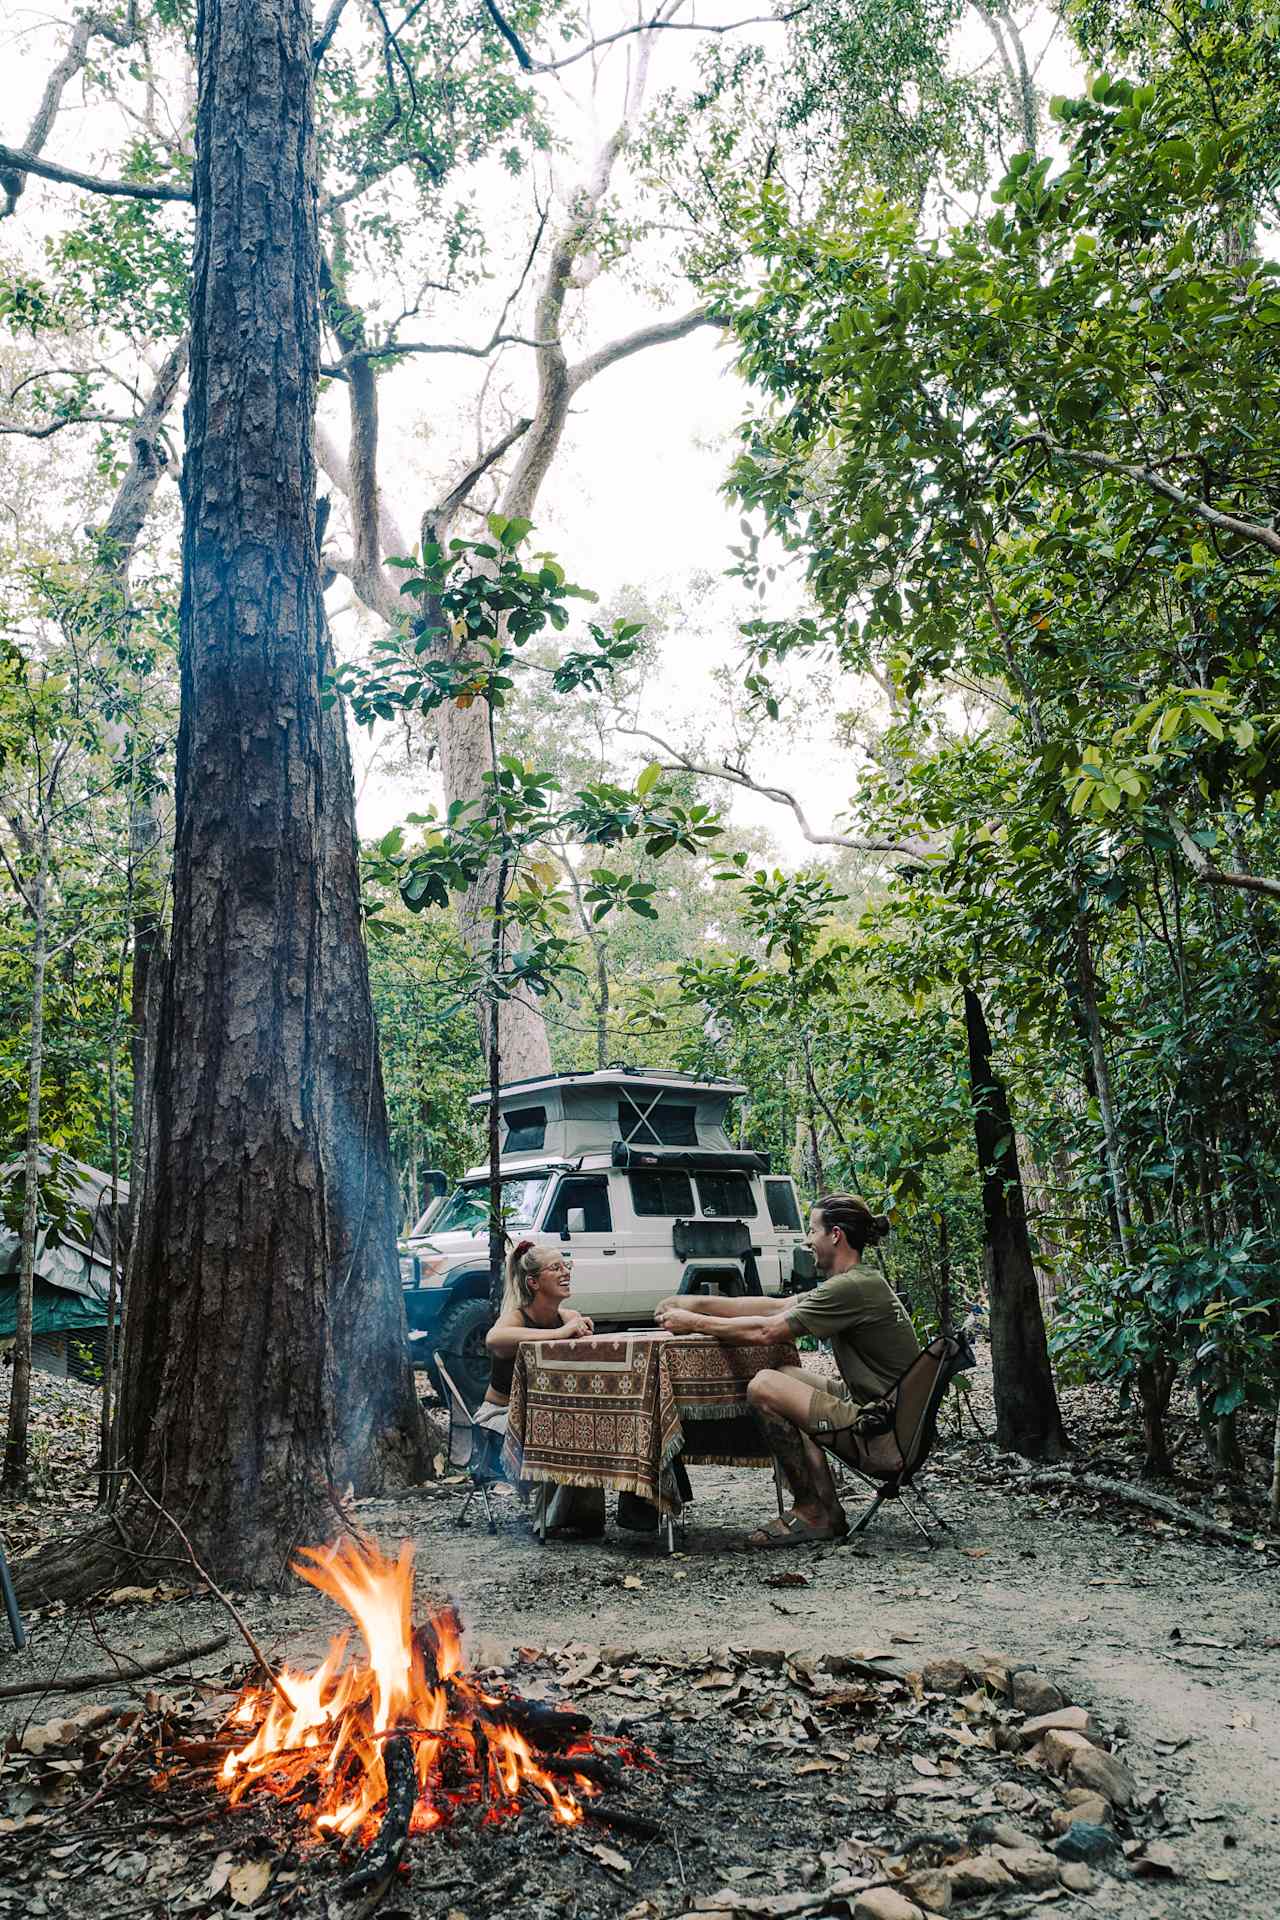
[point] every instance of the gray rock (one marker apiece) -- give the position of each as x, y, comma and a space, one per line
999, 1833
946, 1676
1030, 1866
930, 1889
1084, 1842
1032, 1693
1064, 1720
1103, 1773
885, 1903
1076, 1877
982, 1874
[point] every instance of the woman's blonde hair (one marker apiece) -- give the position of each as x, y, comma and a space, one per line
524, 1263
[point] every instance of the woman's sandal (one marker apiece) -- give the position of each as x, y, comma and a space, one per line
789, 1530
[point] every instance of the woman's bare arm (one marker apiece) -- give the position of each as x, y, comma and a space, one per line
507, 1333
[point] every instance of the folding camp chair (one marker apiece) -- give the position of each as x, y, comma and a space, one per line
889, 1442
16, 1627
473, 1448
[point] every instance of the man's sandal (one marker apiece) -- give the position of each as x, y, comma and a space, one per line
789, 1530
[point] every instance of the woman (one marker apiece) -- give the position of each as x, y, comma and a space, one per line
533, 1308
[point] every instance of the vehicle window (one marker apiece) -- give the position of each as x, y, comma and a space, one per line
726, 1196
526, 1129
423, 1223
783, 1210
467, 1208
591, 1194
665, 1125
668, 1192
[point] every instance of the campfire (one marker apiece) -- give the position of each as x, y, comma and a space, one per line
400, 1739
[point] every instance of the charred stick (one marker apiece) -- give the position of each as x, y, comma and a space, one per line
621, 1818
379, 1866
481, 1739
600, 1769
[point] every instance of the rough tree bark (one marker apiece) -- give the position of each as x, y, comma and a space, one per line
1027, 1417
15, 1450
265, 1289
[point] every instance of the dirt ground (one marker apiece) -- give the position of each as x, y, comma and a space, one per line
1173, 1643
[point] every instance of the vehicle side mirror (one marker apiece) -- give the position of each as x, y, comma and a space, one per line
575, 1221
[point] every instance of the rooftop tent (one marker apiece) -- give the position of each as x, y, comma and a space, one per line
566, 1115
72, 1278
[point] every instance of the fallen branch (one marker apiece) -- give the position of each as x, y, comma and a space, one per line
217, 1592
112, 1676
1157, 1503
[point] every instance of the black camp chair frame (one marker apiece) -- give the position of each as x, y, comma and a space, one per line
472, 1448
954, 1355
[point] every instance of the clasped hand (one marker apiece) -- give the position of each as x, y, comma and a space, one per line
675, 1319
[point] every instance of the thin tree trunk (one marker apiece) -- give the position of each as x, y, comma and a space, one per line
946, 1315
106, 1427
15, 1452
497, 1233
1275, 1471
1088, 986
1155, 1383
1028, 1420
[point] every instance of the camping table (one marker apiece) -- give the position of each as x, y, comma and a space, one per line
615, 1410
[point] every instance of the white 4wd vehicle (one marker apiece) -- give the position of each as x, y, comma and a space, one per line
632, 1175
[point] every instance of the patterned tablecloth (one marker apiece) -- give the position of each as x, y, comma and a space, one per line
612, 1411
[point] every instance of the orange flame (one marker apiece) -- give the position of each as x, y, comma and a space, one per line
321, 1745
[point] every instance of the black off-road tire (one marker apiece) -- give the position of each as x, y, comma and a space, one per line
460, 1342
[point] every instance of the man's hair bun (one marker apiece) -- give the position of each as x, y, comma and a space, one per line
880, 1221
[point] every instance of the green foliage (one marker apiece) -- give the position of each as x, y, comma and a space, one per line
1027, 466
479, 606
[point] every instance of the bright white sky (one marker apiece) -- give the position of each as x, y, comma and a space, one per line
634, 496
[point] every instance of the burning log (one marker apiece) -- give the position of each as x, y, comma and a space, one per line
548, 1729
597, 1769
379, 1867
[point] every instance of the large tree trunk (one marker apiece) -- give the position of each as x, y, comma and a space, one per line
15, 1451
1027, 1417
265, 1283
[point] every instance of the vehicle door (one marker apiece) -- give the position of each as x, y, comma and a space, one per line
599, 1263
787, 1231
657, 1197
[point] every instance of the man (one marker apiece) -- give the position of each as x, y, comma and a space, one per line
871, 1338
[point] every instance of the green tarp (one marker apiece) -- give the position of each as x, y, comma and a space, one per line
52, 1311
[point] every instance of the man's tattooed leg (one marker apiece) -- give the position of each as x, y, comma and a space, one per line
787, 1445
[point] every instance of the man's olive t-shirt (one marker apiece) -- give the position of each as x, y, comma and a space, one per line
870, 1334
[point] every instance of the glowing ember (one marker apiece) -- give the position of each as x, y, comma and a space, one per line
323, 1751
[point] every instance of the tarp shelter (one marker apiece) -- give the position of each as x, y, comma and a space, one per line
69, 1305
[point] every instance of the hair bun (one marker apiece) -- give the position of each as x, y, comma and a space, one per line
880, 1221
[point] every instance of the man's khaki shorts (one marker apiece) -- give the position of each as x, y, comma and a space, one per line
831, 1406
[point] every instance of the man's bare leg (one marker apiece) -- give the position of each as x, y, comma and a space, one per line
780, 1403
